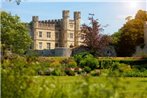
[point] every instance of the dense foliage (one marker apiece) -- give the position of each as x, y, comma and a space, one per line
130, 35
81, 64
21, 77
14, 33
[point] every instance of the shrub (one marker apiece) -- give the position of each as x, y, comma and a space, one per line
121, 67
55, 64
87, 69
135, 73
118, 68
80, 56
104, 64
78, 70
31, 59
69, 72
70, 63
89, 61
57, 72
96, 72
86, 59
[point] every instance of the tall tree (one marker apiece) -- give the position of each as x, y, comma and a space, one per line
93, 39
14, 33
132, 34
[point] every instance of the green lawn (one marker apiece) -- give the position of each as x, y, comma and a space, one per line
90, 87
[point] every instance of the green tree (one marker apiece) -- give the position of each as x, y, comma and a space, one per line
131, 34
14, 33
115, 37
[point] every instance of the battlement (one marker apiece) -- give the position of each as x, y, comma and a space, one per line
77, 15
45, 24
49, 23
56, 21
65, 13
35, 18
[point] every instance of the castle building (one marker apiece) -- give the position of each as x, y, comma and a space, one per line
49, 34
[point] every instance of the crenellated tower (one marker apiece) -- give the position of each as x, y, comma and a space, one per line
77, 19
34, 26
64, 32
55, 33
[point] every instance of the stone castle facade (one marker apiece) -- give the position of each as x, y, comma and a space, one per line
50, 34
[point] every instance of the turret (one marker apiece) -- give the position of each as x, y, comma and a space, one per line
145, 33
34, 26
65, 23
35, 21
77, 18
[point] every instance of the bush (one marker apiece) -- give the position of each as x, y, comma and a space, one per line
121, 67
104, 64
70, 63
57, 72
91, 62
87, 69
80, 56
69, 72
86, 59
135, 73
96, 72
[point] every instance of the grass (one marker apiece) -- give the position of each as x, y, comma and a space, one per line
18, 81
69, 86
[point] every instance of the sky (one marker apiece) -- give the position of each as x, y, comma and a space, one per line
111, 12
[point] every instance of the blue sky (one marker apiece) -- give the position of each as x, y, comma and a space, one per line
112, 13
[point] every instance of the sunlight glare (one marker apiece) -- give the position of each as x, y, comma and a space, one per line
133, 4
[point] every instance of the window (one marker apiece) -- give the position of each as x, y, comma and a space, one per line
48, 34
40, 34
82, 36
48, 45
71, 35
40, 45
57, 35
56, 45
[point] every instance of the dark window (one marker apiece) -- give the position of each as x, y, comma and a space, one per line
48, 34
56, 45
48, 45
57, 35
71, 35
40, 34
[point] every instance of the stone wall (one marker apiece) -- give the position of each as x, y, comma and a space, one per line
61, 51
